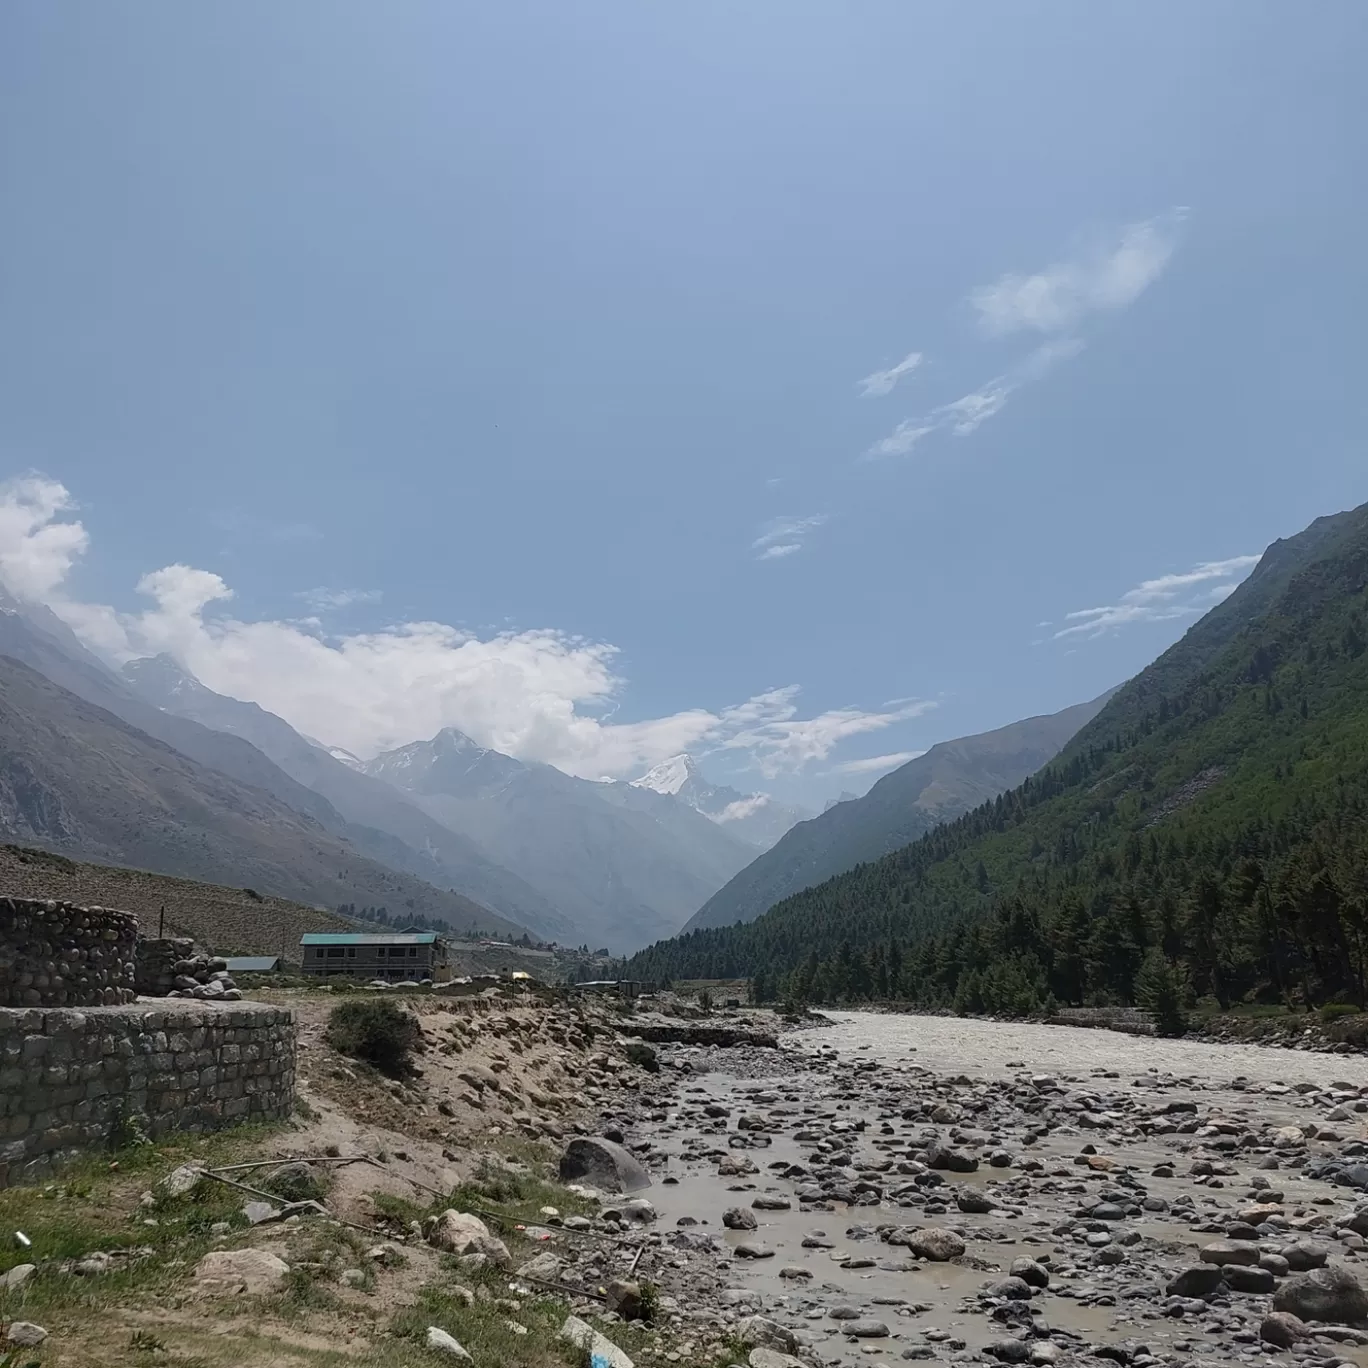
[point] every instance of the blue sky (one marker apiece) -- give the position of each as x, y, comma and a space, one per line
556, 325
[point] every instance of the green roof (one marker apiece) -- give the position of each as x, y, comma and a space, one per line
367, 938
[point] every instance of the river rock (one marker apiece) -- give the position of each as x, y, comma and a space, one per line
1282, 1328
1202, 1280
25, 1333
867, 1329
1030, 1272
1223, 1252
623, 1295
753, 1249
772, 1201
17, 1276
1324, 1294
603, 1163
974, 1203
766, 1334
1304, 1256
772, 1358
738, 1218
936, 1244
1243, 1279
1013, 1289
941, 1156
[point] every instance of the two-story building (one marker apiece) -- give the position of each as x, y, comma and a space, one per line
399, 956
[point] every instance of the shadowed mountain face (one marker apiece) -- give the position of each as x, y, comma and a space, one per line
625, 864
401, 833
77, 779
950, 779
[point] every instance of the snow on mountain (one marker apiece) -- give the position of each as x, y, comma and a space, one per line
755, 817
670, 775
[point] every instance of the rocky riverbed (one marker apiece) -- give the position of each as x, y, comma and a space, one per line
924, 1188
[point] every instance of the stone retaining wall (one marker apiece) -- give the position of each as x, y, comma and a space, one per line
55, 954
74, 1081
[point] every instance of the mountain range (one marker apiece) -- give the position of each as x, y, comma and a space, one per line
623, 862
449, 829
948, 780
1205, 835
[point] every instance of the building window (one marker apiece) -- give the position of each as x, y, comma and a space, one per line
413, 950
380, 952
351, 952
334, 952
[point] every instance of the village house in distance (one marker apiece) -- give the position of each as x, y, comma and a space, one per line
398, 956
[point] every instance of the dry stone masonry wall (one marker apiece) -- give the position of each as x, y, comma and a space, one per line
55, 954
73, 1081
172, 967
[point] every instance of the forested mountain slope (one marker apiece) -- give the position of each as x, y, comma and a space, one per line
950, 779
1211, 823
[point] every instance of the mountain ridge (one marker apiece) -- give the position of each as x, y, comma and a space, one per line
1205, 835
624, 863
950, 778
79, 780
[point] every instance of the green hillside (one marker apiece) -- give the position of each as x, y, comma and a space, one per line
1209, 825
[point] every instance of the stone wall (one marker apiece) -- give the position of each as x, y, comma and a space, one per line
74, 1081
172, 967
55, 954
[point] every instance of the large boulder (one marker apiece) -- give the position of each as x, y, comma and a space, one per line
1324, 1294
738, 1218
1282, 1329
603, 1164
457, 1232
440, 1342
254, 1272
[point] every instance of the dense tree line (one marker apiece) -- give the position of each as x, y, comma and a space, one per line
1205, 836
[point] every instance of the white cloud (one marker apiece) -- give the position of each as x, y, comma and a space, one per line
784, 536
779, 741
1107, 274
873, 763
323, 599
743, 808
966, 414
36, 552
902, 439
1186, 594
882, 382
539, 695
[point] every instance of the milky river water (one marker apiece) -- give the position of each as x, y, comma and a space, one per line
999, 1049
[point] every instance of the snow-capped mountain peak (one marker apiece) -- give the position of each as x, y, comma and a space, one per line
755, 817
669, 776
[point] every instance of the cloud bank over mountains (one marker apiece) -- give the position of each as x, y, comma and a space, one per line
539, 695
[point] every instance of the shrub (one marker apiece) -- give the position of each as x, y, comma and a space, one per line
377, 1031
1160, 988
1332, 1011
